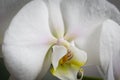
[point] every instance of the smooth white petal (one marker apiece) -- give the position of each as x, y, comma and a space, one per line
110, 49
27, 41
81, 17
90, 44
24, 62
55, 18
29, 26
46, 64
58, 53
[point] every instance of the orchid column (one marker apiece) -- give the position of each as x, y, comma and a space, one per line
66, 34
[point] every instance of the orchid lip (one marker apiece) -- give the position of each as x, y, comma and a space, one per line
67, 57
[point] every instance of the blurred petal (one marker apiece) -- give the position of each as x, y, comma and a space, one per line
113, 12
58, 53
27, 41
110, 50
55, 18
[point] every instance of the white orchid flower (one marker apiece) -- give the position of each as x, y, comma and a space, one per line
66, 34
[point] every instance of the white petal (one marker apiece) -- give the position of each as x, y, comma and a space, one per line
81, 16
55, 18
90, 44
27, 41
110, 49
46, 64
30, 25
58, 53
113, 12
24, 62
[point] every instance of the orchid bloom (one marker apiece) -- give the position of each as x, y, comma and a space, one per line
66, 35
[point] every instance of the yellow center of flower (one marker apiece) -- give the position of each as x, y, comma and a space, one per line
66, 58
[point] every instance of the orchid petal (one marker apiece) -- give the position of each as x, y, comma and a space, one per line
24, 62
113, 12
58, 53
110, 49
27, 41
90, 44
81, 17
55, 18
46, 64
31, 24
